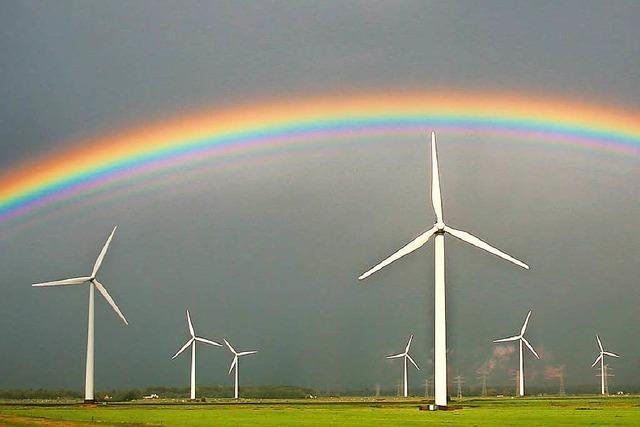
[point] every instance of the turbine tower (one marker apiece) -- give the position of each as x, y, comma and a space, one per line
439, 230
521, 340
600, 359
406, 357
93, 284
236, 364
192, 342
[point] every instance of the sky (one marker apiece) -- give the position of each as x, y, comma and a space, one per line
266, 250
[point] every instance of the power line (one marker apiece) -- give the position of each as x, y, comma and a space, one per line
459, 380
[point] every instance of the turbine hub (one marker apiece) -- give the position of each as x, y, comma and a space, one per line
440, 226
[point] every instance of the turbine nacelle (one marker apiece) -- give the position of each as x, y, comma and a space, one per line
194, 338
91, 279
440, 228
520, 337
602, 353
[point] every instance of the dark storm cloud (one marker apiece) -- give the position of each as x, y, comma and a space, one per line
267, 253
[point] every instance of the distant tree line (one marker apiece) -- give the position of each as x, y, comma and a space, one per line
123, 395
39, 393
279, 392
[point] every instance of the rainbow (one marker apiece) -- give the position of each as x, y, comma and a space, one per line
289, 124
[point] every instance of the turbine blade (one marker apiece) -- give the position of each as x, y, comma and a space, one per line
471, 239
206, 341
229, 345
526, 321
395, 356
406, 349
191, 331
597, 360
64, 282
413, 361
246, 353
183, 348
513, 338
410, 247
608, 353
103, 252
530, 348
235, 361
599, 343
436, 198
110, 300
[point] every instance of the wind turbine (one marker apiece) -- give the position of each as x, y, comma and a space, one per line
406, 357
439, 230
521, 339
192, 342
93, 284
600, 359
236, 363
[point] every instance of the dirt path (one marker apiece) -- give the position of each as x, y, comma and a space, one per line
16, 421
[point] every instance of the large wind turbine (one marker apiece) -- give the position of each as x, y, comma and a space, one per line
93, 283
405, 355
600, 359
521, 339
439, 230
192, 342
236, 364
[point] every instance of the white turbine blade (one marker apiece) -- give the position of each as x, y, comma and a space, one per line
395, 356
229, 345
410, 247
436, 198
526, 321
191, 331
597, 360
110, 300
206, 341
103, 252
235, 361
412, 361
406, 349
470, 238
183, 348
64, 282
530, 347
599, 343
246, 353
608, 353
513, 338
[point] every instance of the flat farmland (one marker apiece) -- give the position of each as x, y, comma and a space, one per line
335, 412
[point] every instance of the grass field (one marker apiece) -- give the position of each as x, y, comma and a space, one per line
613, 411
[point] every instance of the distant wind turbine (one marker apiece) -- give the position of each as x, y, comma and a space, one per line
93, 284
521, 339
439, 230
236, 364
405, 355
600, 359
192, 342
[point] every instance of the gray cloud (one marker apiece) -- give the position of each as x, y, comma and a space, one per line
266, 252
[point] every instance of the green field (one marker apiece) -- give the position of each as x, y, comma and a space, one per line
542, 411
